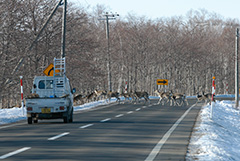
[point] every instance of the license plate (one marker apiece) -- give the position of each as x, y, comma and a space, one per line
46, 110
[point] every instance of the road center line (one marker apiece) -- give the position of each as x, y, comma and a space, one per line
159, 145
129, 112
58, 136
120, 115
105, 120
85, 126
14, 152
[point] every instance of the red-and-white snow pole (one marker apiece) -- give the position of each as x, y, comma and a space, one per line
126, 87
22, 92
213, 93
227, 88
213, 88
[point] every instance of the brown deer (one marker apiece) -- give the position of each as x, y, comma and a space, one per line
111, 94
127, 96
79, 99
100, 93
138, 95
91, 97
179, 98
204, 97
207, 97
199, 97
164, 96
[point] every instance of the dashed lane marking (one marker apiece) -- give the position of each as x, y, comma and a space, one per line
138, 109
85, 126
105, 120
58, 136
120, 115
14, 152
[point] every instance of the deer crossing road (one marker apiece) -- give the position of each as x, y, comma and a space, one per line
112, 132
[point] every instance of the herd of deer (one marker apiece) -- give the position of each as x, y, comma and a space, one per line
96, 94
175, 99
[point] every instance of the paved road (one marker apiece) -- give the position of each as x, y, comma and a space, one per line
124, 132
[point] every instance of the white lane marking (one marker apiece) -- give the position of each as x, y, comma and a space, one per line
129, 112
3, 127
14, 152
120, 115
105, 120
159, 145
85, 126
58, 136
138, 109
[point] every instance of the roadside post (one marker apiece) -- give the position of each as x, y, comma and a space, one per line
126, 87
22, 93
213, 93
227, 88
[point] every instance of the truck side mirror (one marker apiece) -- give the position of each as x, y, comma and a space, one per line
73, 90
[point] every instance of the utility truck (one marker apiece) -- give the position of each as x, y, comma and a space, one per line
51, 96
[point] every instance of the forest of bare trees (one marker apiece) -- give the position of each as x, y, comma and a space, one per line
187, 50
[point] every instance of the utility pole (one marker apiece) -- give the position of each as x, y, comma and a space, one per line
236, 70
107, 17
21, 61
63, 28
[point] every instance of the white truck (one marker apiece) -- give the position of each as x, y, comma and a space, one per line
52, 96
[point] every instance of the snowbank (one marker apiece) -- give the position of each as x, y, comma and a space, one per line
217, 138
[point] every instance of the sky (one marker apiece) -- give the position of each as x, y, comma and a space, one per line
215, 138
166, 8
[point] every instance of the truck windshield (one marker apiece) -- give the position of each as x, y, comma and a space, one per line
48, 84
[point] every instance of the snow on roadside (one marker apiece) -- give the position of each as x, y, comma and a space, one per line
12, 115
217, 138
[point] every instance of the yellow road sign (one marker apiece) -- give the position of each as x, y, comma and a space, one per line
49, 70
162, 81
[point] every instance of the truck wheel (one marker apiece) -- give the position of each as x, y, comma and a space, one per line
35, 121
66, 119
29, 120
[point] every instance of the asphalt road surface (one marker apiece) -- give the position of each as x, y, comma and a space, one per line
124, 132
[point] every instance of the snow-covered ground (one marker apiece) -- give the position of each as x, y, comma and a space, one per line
214, 139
